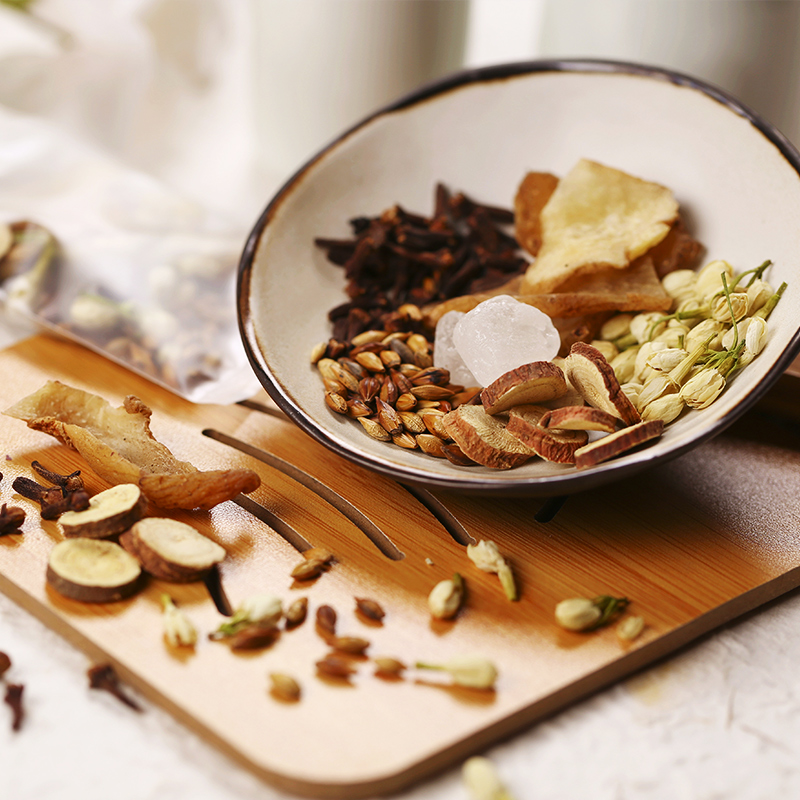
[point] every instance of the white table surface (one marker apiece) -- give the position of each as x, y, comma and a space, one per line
720, 719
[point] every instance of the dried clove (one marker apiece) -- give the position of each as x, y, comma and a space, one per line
5, 663
11, 519
103, 676
54, 501
13, 698
69, 483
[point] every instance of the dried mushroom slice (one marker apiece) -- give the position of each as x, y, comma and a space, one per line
553, 445
172, 550
92, 570
109, 513
536, 382
588, 371
118, 445
484, 439
579, 418
620, 442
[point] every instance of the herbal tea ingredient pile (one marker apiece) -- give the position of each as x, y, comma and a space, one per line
490, 389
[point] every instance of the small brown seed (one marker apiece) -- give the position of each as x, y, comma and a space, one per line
374, 429
389, 391
318, 554
334, 386
431, 444
326, 619
411, 311
368, 337
318, 352
454, 454
336, 403
436, 376
254, 637
370, 347
333, 666
353, 367
308, 570
356, 407
390, 358
388, 666
336, 348
369, 387
403, 350
296, 613
423, 360
352, 645
431, 392
418, 343
408, 369
401, 381
371, 362
402, 335
405, 440
389, 418
405, 402
412, 422
329, 369
284, 687
344, 376
370, 608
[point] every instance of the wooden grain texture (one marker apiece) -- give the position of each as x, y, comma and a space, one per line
693, 543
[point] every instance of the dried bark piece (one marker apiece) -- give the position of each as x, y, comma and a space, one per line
484, 438
92, 570
109, 513
558, 446
532, 383
579, 418
118, 445
532, 195
588, 371
620, 442
172, 550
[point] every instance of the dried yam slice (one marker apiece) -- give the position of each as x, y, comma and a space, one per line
92, 570
620, 442
579, 418
118, 445
597, 217
589, 372
172, 550
109, 513
554, 445
484, 438
536, 382
532, 196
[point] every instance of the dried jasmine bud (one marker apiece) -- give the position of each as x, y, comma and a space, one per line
703, 388
630, 628
471, 671
582, 614
482, 781
284, 687
446, 597
178, 628
260, 609
486, 556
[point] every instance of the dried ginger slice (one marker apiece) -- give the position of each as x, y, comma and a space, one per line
118, 445
597, 217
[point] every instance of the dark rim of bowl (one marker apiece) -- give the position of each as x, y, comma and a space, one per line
551, 485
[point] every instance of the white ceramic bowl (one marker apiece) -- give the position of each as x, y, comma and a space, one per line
736, 178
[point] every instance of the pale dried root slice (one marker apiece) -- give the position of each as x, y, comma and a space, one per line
484, 438
588, 371
620, 442
558, 446
579, 418
172, 550
118, 445
536, 382
93, 570
109, 513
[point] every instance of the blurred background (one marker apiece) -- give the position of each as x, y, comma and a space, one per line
222, 99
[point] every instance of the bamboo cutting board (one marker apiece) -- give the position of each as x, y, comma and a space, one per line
693, 543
